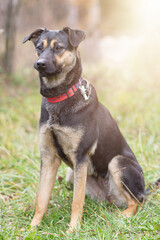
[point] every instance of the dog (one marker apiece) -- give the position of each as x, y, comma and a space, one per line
77, 129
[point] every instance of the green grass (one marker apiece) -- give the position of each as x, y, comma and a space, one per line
135, 106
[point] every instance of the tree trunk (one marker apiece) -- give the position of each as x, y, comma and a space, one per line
10, 38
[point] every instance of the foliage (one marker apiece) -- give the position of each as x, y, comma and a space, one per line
135, 106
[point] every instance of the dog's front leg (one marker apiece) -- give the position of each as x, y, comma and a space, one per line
49, 167
80, 176
47, 179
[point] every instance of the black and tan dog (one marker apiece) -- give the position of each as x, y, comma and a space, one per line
75, 128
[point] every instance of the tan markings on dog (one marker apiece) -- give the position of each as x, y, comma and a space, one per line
67, 57
93, 148
80, 176
90, 170
37, 55
54, 81
67, 62
132, 208
49, 167
116, 191
69, 138
45, 43
52, 43
115, 172
114, 194
120, 191
59, 78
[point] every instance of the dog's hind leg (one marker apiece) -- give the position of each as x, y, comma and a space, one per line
126, 180
49, 167
96, 188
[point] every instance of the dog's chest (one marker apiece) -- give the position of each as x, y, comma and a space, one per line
68, 138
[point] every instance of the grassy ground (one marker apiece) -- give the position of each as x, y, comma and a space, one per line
135, 106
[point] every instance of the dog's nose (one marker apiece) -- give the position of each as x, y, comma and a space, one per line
41, 64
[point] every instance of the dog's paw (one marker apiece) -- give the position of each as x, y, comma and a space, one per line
70, 230
130, 211
35, 222
73, 228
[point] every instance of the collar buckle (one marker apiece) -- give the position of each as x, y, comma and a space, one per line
85, 88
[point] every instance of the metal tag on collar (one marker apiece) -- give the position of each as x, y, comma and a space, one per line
85, 90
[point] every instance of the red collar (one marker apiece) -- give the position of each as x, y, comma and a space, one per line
66, 95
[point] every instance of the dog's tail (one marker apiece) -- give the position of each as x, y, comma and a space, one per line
152, 186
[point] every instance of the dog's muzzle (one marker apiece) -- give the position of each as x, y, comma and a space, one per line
46, 69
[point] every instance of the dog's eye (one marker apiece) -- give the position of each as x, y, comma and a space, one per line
40, 47
59, 48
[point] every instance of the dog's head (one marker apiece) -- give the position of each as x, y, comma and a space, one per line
56, 50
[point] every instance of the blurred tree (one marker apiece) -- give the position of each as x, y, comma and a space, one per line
10, 37
86, 15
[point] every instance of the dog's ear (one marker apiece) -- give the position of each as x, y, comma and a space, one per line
75, 36
34, 35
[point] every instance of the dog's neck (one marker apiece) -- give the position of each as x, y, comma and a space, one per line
71, 78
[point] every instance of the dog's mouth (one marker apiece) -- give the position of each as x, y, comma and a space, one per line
49, 74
